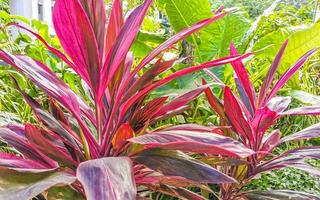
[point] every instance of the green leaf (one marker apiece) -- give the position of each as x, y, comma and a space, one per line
301, 40
63, 193
145, 42
212, 41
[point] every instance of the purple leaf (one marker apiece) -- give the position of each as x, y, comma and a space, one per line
107, 178
44, 78
279, 104
307, 110
270, 142
262, 120
21, 144
180, 73
175, 163
122, 45
26, 184
12, 161
55, 51
293, 158
307, 133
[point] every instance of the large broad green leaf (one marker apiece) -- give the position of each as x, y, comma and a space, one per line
300, 41
231, 28
212, 41
145, 42
26, 184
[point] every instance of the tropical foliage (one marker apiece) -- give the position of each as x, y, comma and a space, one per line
112, 107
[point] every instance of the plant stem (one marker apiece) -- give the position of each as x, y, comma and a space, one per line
85, 145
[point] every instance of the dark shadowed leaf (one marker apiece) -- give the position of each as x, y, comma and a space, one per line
175, 163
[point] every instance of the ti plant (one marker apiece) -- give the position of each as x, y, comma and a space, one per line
87, 146
249, 119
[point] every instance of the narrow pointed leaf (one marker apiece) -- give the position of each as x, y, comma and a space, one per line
214, 102
122, 45
174, 39
39, 139
244, 80
307, 133
290, 72
269, 78
235, 115
181, 100
114, 25
177, 74
21, 144
44, 78
307, 110
96, 13
192, 141
12, 161
77, 39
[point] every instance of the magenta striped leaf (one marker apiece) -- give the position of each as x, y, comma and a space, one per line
77, 39
289, 73
245, 83
279, 104
21, 144
192, 141
122, 45
181, 100
272, 71
13, 161
236, 117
